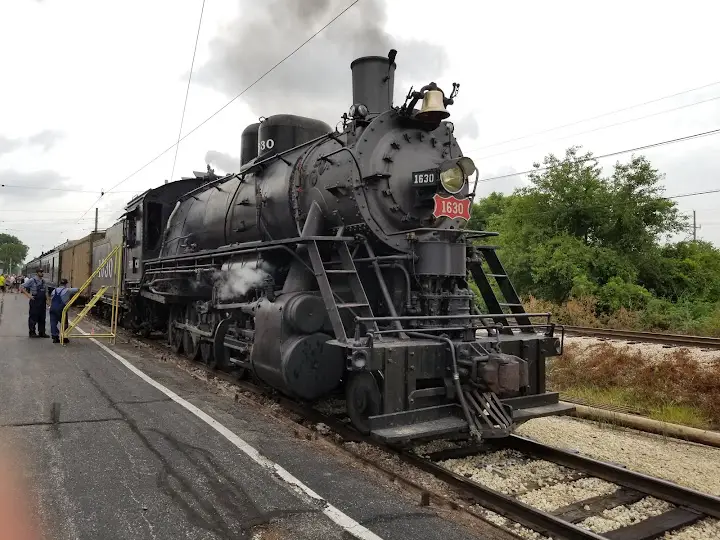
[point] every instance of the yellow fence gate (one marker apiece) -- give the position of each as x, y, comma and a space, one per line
115, 256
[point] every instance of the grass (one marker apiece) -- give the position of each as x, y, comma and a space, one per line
675, 388
625, 400
682, 317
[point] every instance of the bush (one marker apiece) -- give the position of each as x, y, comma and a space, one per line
617, 294
677, 380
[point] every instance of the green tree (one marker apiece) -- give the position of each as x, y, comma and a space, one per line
12, 251
576, 232
484, 210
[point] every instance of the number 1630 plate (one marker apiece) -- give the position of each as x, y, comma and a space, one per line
451, 207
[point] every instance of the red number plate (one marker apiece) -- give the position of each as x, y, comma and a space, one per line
451, 207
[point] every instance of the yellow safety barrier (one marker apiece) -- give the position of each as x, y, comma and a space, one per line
116, 255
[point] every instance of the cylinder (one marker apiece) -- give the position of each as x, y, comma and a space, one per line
249, 143
373, 82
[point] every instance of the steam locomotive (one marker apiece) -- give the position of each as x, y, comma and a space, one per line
339, 261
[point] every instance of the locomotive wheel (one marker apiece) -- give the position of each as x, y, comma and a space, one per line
148, 315
191, 342
190, 346
176, 339
206, 352
175, 336
220, 355
363, 400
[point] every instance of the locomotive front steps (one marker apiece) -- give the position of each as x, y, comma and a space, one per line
442, 420
418, 423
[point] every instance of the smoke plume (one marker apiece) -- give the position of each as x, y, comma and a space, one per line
224, 162
236, 281
316, 80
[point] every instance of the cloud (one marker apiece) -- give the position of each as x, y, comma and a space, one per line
47, 138
316, 81
225, 162
467, 127
9, 145
32, 186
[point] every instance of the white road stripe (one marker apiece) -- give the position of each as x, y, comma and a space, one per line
336, 515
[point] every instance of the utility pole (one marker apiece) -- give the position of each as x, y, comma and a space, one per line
695, 227
96, 219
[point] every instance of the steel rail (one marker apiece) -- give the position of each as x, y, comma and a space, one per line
698, 504
648, 337
505, 505
656, 487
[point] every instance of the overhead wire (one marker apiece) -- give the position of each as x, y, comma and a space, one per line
182, 119
620, 204
612, 154
600, 128
656, 100
187, 90
213, 115
251, 85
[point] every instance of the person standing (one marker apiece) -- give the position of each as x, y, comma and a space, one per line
2, 283
10, 283
35, 289
59, 297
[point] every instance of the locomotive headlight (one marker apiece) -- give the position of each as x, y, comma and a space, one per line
452, 179
454, 174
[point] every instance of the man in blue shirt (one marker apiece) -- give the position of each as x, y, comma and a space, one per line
35, 288
59, 297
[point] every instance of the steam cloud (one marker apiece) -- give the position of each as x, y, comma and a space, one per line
224, 162
240, 278
316, 81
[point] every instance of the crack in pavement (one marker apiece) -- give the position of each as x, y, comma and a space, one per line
58, 423
230, 511
158, 400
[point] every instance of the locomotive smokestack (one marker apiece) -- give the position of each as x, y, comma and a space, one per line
373, 81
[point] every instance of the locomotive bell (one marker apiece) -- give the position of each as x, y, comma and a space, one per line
433, 107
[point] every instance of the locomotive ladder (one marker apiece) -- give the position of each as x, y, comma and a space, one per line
325, 270
510, 299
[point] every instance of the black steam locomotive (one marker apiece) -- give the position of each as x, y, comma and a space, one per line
339, 261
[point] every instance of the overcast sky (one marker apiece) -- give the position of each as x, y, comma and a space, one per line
93, 90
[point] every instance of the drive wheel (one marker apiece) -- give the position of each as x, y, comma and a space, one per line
363, 400
148, 318
175, 335
206, 352
220, 357
191, 341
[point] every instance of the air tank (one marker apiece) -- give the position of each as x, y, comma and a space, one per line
249, 143
284, 131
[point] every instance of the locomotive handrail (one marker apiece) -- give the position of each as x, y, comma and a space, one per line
211, 183
249, 166
472, 232
461, 328
550, 326
451, 317
257, 245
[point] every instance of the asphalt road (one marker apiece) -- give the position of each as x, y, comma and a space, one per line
108, 455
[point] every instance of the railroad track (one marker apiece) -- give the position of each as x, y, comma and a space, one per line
688, 506
676, 340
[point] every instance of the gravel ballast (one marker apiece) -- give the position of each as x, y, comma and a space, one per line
651, 351
688, 464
